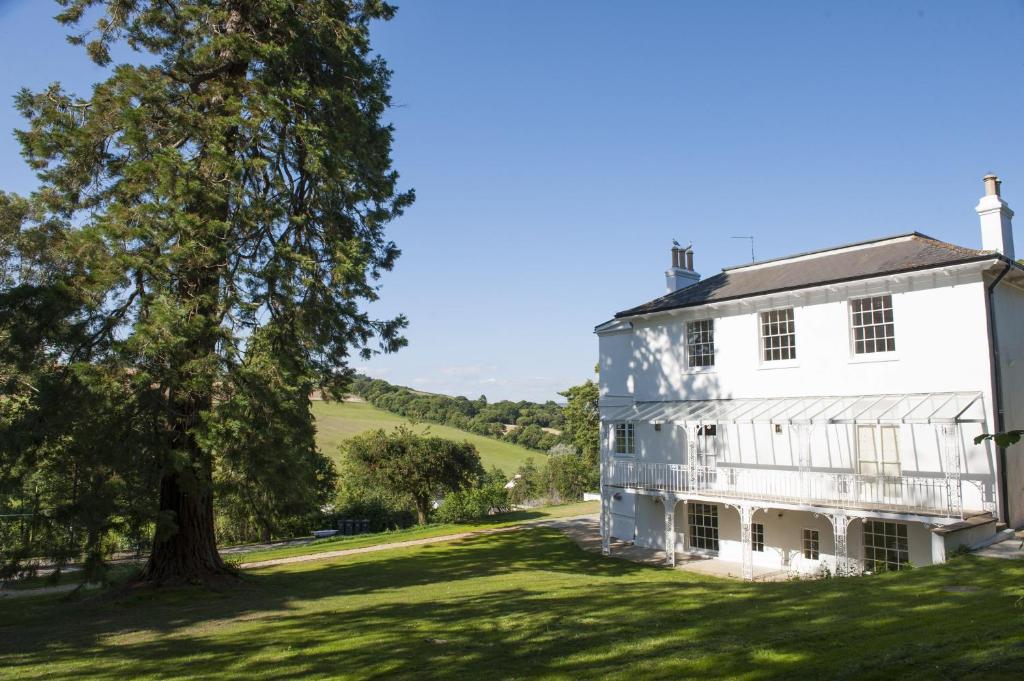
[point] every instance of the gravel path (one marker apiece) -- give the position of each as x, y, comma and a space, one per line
43, 590
325, 555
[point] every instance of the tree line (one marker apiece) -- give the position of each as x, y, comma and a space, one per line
521, 422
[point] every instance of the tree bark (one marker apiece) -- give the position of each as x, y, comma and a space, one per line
421, 512
188, 555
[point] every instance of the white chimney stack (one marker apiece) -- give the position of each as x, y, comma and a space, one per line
681, 274
996, 216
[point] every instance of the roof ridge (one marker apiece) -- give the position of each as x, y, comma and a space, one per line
821, 251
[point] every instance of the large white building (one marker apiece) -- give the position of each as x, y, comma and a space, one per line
820, 410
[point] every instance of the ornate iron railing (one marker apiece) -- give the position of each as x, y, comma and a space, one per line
835, 490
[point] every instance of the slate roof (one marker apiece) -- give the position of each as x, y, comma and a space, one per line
891, 255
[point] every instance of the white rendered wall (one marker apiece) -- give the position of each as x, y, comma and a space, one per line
941, 342
1008, 303
941, 346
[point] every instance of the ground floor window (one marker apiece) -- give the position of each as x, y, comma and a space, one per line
703, 526
757, 536
811, 544
885, 545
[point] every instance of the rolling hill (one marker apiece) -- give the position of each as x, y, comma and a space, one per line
337, 421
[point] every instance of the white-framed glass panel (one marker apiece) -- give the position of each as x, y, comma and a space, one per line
757, 537
871, 325
778, 335
811, 543
703, 526
700, 343
878, 450
885, 545
624, 442
706, 440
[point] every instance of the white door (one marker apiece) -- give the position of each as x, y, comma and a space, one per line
706, 444
878, 462
878, 451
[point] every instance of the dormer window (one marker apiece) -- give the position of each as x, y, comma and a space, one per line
778, 335
700, 344
871, 325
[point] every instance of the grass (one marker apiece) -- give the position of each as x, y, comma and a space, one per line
425, 532
530, 604
337, 421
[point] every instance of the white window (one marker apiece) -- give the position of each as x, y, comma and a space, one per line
700, 343
703, 526
878, 450
885, 545
757, 537
811, 544
624, 438
778, 335
871, 325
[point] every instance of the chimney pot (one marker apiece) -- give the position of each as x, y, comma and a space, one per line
681, 274
991, 185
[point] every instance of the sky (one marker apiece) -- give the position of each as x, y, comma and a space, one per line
557, 147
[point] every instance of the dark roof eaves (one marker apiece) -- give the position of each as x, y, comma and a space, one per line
633, 312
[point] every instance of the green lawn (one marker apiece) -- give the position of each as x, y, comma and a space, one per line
530, 604
337, 421
425, 532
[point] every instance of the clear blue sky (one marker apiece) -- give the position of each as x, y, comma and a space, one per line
558, 147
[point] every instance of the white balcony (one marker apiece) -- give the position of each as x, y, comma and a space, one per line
904, 494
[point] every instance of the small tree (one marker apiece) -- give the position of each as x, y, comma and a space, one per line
419, 466
582, 419
570, 473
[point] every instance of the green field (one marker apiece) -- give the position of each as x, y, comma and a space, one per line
336, 421
530, 604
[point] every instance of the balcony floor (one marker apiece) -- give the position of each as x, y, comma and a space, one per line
797, 503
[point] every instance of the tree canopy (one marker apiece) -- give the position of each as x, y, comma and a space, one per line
422, 467
208, 226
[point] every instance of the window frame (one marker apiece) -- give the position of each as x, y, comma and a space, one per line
810, 543
876, 355
757, 537
708, 538
901, 543
782, 362
689, 355
628, 438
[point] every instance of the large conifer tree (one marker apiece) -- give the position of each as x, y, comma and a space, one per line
208, 227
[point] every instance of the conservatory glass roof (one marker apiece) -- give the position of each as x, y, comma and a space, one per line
948, 407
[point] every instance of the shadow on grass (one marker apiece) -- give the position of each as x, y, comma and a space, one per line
531, 604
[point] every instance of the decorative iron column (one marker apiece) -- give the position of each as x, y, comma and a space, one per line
670, 530
804, 433
691, 462
954, 488
746, 513
840, 522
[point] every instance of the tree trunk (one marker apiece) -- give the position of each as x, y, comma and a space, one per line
421, 511
189, 554
185, 543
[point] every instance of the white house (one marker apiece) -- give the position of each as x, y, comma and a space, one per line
819, 410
